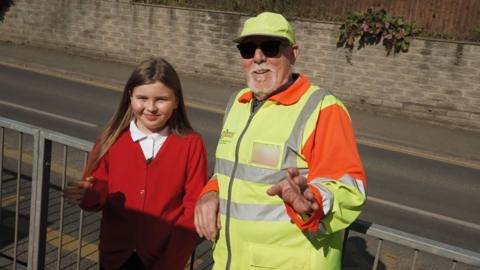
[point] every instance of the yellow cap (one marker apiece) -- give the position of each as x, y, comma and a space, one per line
267, 24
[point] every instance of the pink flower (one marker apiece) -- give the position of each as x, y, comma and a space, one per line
365, 27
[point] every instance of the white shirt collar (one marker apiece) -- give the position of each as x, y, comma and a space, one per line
138, 135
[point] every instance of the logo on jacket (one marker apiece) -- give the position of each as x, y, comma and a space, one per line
226, 136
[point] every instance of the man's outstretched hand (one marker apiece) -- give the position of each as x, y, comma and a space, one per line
294, 191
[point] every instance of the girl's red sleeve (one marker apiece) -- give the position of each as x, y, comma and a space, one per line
95, 197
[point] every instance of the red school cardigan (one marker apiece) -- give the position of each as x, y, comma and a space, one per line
148, 208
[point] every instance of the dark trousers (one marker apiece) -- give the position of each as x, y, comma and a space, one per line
133, 263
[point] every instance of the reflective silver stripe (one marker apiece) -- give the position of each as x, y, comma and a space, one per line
327, 196
361, 187
229, 105
322, 179
257, 212
252, 173
346, 179
293, 145
248, 172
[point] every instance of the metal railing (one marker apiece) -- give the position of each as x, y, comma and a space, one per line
416, 243
42, 185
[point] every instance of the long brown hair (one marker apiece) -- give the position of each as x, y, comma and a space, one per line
148, 72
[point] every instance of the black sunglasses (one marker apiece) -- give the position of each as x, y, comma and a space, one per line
269, 48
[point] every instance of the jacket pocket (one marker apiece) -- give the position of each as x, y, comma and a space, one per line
277, 257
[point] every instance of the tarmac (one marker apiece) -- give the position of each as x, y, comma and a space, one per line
453, 146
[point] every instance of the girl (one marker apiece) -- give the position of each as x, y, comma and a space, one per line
145, 173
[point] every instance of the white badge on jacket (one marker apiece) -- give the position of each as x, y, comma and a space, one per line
266, 154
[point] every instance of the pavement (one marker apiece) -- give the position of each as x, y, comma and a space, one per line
453, 146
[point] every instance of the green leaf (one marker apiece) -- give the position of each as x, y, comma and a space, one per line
374, 26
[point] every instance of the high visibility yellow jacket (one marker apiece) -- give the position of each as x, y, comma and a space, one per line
303, 127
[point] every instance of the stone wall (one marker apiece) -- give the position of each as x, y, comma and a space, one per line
436, 81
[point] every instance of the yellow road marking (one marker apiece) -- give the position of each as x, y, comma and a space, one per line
69, 243
89, 251
390, 261
10, 199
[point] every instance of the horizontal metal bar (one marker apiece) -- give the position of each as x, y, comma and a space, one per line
18, 126
71, 141
417, 242
47, 134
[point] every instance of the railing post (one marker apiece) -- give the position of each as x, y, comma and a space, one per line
2, 135
39, 206
17, 195
415, 256
377, 254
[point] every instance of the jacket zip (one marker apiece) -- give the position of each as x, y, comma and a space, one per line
230, 185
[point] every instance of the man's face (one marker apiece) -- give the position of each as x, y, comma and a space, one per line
264, 69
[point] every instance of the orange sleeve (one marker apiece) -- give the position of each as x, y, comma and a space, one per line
331, 152
312, 223
212, 185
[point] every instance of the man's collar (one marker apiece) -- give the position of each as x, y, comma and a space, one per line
287, 97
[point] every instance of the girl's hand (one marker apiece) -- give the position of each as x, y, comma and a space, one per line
75, 190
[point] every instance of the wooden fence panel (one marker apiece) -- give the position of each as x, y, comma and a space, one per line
455, 18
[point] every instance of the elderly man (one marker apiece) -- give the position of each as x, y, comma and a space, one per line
288, 179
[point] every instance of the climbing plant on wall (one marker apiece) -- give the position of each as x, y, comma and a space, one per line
373, 27
475, 34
